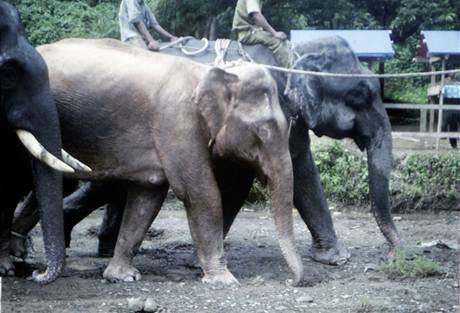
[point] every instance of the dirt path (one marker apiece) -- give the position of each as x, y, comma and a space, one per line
255, 259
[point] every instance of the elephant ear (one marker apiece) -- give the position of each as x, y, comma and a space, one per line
306, 91
214, 95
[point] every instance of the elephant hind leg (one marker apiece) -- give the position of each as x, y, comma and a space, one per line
142, 206
111, 225
234, 183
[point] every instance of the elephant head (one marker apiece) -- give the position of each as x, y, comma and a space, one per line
347, 108
245, 123
29, 116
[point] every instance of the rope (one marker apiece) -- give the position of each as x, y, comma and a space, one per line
179, 42
221, 48
295, 71
344, 75
189, 53
176, 42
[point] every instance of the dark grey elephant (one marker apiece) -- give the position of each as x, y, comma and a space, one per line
153, 122
29, 126
337, 108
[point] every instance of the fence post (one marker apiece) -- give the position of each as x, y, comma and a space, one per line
441, 103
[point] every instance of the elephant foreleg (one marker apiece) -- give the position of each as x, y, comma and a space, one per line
25, 218
6, 215
311, 203
142, 206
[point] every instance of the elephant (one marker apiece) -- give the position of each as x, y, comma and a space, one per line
329, 106
31, 138
145, 124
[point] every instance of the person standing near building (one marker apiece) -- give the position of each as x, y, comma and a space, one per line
253, 28
136, 21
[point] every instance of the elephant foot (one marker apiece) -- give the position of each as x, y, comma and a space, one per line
225, 278
336, 255
18, 246
6, 266
123, 272
105, 249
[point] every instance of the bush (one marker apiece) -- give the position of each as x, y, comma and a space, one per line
403, 267
48, 21
426, 182
418, 182
343, 173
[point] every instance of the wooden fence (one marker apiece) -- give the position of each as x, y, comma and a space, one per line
426, 131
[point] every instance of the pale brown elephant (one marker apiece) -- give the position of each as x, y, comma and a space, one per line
154, 121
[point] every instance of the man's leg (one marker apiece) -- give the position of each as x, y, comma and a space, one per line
281, 51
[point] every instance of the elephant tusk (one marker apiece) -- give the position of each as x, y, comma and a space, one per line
76, 164
39, 152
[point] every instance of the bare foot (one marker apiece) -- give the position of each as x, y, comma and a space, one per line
121, 272
336, 255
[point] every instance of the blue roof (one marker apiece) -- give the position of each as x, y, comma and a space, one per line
441, 42
367, 44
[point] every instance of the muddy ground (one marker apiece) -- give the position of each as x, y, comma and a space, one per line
171, 280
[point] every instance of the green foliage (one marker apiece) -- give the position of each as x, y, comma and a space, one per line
426, 182
343, 173
403, 267
412, 90
367, 304
195, 17
48, 21
258, 194
418, 182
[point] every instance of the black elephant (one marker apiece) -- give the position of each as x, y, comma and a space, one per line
330, 106
29, 125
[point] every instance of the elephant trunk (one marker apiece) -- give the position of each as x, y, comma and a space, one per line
48, 191
49, 202
280, 181
379, 153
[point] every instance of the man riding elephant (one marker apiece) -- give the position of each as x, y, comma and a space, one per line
252, 28
136, 20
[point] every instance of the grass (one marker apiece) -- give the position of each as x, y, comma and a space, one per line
367, 304
404, 267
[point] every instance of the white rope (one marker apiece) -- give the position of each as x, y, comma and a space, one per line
180, 42
302, 72
195, 52
176, 42
221, 48
327, 74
